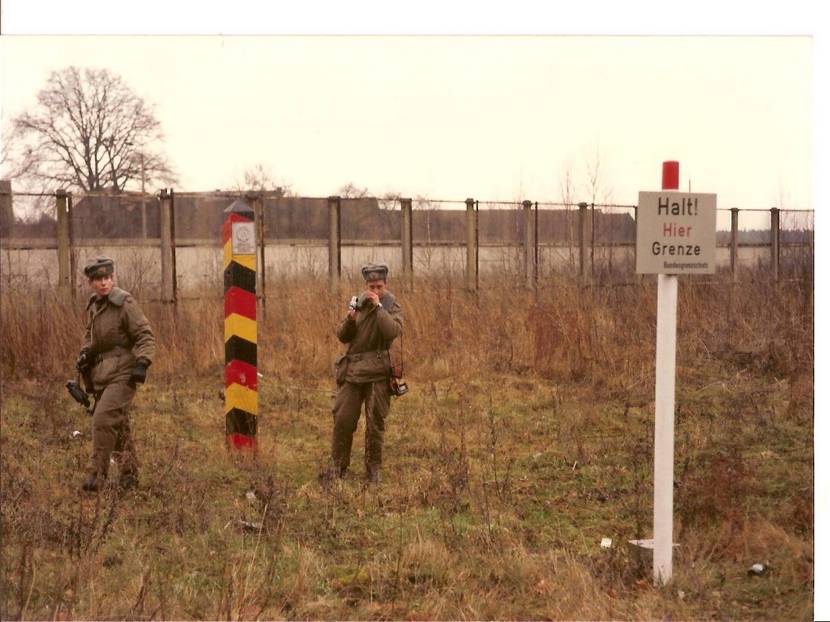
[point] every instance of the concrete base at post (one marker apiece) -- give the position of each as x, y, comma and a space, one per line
642, 551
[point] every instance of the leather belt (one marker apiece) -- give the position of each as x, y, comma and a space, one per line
362, 356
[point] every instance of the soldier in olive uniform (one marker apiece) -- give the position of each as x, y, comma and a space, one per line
118, 348
364, 371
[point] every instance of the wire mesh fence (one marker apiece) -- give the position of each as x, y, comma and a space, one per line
613, 240
47, 236
797, 243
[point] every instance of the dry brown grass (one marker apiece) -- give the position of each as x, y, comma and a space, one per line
527, 437
602, 334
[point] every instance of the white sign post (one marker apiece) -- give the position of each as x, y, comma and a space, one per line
664, 427
675, 235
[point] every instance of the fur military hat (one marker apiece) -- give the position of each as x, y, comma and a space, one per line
375, 272
99, 266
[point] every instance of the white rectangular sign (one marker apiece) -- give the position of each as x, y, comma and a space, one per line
676, 233
243, 238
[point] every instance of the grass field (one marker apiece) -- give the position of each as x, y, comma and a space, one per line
527, 437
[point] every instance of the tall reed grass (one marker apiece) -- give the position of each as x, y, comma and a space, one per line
603, 334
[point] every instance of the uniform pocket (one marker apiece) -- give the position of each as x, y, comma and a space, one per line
105, 371
341, 365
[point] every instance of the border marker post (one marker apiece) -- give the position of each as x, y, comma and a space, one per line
239, 239
676, 234
665, 361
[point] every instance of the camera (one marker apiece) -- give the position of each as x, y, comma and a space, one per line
356, 303
397, 387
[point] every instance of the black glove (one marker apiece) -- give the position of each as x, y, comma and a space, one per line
84, 361
139, 374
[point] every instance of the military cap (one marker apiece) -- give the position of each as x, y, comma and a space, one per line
98, 267
374, 271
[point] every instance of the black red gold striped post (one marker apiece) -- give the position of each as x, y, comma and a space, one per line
239, 239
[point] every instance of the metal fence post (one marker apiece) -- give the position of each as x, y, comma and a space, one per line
472, 258
168, 266
6, 208
334, 244
173, 270
143, 201
406, 242
536, 258
62, 213
478, 249
259, 218
733, 244
583, 240
73, 256
775, 234
592, 225
528, 244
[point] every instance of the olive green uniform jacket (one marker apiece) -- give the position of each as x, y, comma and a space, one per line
117, 335
362, 375
370, 336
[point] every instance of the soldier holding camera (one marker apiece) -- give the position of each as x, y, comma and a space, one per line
118, 348
364, 372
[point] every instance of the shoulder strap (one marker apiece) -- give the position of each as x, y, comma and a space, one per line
118, 296
389, 353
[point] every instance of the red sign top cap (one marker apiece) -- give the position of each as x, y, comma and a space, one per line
671, 175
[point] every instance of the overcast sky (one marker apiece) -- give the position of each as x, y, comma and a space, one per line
493, 117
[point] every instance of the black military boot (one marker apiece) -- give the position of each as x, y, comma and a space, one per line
92, 483
331, 473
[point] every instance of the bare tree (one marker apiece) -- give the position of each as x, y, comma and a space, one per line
390, 215
28, 207
258, 179
595, 185
567, 188
389, 200
422, 204
599, 192
10, 167
352, 191
89, 131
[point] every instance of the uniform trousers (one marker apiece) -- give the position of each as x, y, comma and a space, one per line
347, 405
111, 431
